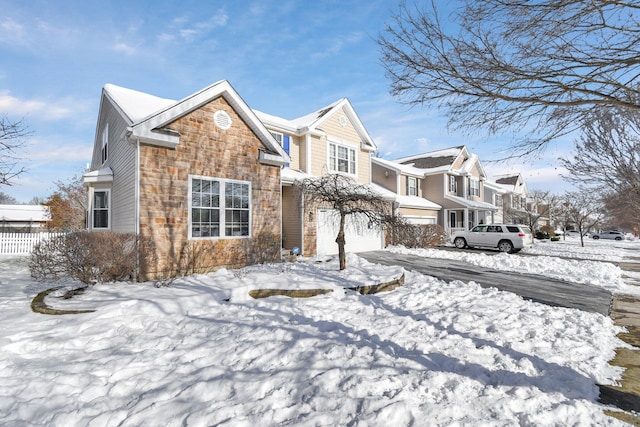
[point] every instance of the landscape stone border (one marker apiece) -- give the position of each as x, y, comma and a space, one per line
38, 305
308, 293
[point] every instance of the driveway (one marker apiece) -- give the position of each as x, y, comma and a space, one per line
535, 288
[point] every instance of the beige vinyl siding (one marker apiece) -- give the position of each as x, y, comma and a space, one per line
434, 187
319, 159
378, 176
291, 226
346, 135
294, 152
418, 212
333, 127
121, 159
457, 164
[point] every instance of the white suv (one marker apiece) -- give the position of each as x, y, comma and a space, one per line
505, 237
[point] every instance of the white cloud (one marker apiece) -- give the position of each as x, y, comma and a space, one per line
47, 110
124, 48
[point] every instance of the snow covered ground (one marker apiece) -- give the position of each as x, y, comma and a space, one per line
202, 352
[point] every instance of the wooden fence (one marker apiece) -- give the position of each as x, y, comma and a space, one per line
22, 243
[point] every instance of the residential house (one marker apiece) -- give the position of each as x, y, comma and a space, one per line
452, 178
199, 179
515, 198
494, 194
23, 218
405, 183
331, 139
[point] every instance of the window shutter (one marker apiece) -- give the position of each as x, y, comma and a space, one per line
285, 143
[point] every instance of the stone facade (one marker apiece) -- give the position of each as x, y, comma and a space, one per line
210, 151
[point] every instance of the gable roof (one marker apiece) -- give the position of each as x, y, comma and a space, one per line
147, 116
311, 123
508, 180
439, 160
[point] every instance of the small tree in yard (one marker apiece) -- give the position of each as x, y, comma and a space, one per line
347, 198
68, 205
583, 210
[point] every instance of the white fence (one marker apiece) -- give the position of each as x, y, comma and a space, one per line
22, 243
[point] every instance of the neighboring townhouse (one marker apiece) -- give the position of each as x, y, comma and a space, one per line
198, 178
405, 184
494, 194
514, 198
453, 179
23, 218
329, 140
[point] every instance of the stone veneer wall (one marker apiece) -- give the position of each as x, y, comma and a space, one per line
206, 150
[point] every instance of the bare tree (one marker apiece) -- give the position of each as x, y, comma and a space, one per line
581, 209
12, 136
348, 199
532, 67
607, 156
6, 199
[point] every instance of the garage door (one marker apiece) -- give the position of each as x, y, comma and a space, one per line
360, 235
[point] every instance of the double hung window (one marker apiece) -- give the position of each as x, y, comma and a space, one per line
412, 186
219, 208
342, 159
474, 187
100, 214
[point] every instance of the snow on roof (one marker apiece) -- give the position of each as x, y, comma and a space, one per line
434, 161
406, 201
289, 175
471, 203
311, 118
402, 168
24, 213
136, 105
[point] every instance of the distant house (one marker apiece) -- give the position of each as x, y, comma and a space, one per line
198, 178
514, 197
452, 179
23, 218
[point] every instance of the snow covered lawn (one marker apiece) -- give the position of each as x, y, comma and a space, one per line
202, 352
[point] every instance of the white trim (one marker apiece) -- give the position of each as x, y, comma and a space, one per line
221, 207
92, 208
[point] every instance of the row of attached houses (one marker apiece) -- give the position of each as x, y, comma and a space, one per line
208, 176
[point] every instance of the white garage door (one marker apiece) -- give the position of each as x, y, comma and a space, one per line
360, 235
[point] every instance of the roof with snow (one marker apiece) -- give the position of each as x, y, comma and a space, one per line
148, 115
24, 213
312, 122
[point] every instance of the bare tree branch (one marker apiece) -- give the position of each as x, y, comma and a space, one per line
12, 136
533, 67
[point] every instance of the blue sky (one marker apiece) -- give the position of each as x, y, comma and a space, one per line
286, 58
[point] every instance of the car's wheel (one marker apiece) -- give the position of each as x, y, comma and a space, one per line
618, 238
596, 237
460, 242
505, 246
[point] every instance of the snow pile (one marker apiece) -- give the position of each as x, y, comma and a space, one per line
201, 352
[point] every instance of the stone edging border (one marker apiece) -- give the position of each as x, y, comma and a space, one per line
307, 293
38, 305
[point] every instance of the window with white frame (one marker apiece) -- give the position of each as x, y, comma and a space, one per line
412, 186
105, 143
453, 184
277, 136
219, 208
342, 159
100, 209
474, 187
498, 200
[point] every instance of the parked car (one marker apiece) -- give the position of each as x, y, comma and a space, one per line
505, 237
612, 235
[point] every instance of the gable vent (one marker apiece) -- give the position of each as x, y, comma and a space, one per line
222, 120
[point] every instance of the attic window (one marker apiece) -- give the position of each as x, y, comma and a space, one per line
222, 119
342, 120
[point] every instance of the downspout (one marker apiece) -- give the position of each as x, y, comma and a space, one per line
136, 208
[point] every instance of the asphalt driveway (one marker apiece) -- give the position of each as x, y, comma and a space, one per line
532, 287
